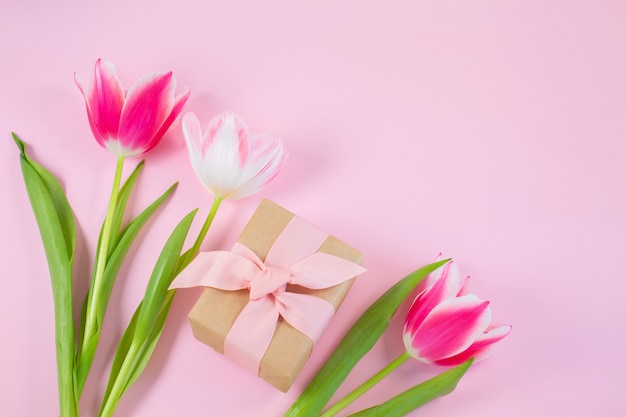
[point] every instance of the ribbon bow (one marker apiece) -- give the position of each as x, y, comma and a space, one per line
292, 259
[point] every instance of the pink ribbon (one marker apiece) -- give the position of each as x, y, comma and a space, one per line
292, 259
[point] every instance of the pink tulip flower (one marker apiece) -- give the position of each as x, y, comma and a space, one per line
133, 122
447, 326
229, 161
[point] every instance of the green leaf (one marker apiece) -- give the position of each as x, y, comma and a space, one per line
127, 236
150, 343
355, 344
60, 206
121, 353
162, 275
141, 356
143, 332
415, 397
57, 228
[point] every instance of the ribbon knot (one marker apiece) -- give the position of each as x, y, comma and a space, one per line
268, 281
292, 259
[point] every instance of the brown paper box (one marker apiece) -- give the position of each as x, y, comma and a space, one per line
216, 310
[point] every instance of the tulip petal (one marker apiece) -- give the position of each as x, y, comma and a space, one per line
433, 276
149, 103
266, 158
192, 130
94, 128
445, 286
223, 152
104, 100
417, 313
179, 102
464, 287
484, 346
110, 98
450, 328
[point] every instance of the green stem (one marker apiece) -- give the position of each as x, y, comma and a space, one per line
343, 403
64, 330
193, 251
92, 324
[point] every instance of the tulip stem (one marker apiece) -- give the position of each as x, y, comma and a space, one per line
341, 404
193, 251
92, 320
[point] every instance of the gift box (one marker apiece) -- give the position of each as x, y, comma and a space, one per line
300, 277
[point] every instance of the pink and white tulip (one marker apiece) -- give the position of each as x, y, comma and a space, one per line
229, 161
133, 122
446, 325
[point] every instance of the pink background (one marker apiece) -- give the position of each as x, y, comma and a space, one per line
493, 131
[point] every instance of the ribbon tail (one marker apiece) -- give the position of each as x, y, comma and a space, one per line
309, 314
252, 333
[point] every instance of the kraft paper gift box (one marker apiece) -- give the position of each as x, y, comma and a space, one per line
216, 311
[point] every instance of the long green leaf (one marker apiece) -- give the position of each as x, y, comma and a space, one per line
162, 276
146, 326
409, 400
121, 353
355, 344
127, 236
143, 353
151, 341
61, 206
57, 228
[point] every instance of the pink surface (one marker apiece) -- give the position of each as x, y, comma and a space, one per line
491, 131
